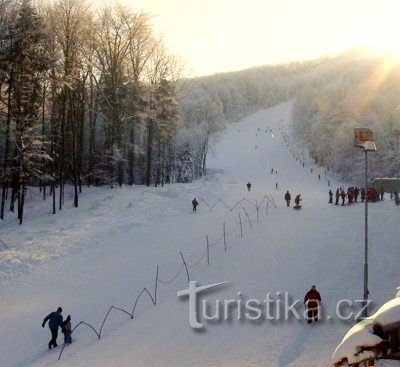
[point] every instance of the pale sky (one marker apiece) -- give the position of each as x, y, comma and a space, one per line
225, 35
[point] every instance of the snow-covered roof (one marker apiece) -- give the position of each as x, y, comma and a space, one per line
361, 334
389, 313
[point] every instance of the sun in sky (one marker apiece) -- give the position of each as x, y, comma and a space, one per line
224, 35
376, 26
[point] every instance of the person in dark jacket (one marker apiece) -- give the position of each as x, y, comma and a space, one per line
297, 200
337, 196
288, 198
330, 197
195, 203
312, 300
248, 186
67, 330
55, 320
343, 196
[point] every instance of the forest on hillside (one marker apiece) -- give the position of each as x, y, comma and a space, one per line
356, 89
93, 97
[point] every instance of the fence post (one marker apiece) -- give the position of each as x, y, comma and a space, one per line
224, 238
241, 228
208, 251
155, 290
247, 215
257, 207
184, 263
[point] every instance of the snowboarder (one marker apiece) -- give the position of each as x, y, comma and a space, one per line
55, 320
330, 197
248, 186
312, 301
288, 198
67, 330
195, 203
297, 202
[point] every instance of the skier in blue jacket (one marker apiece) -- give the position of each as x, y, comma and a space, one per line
55, 320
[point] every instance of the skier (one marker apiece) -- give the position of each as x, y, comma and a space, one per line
55, 320
288, 198
297, 202
272, 171
248, 186
195, 203
276, 185
312, 301
67, 330
330, 197
337, 195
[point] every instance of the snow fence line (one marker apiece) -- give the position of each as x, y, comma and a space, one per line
267, 200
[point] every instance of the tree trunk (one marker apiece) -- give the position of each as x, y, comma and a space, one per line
149, 152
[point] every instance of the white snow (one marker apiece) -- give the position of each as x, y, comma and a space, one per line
389, 313
358, 336
105, 252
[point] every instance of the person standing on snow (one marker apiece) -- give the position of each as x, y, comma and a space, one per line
337, 196
248, 186
55, 320
343, 196
67, 330
288, 198
195, 203
312, 301
330, 197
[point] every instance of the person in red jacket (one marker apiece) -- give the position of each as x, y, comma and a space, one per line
312, 300
343, 196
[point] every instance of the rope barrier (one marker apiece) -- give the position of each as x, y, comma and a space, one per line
184, 265
173, 278
198, 261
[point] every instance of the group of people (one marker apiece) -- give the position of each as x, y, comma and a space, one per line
56, 321
297, 200
353, 194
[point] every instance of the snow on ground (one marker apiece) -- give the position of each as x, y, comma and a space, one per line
105, 252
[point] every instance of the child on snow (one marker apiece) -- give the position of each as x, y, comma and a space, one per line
66, 329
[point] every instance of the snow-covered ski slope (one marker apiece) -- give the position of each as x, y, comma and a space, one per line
106, 252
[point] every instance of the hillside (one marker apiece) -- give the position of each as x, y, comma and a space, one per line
105, 252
